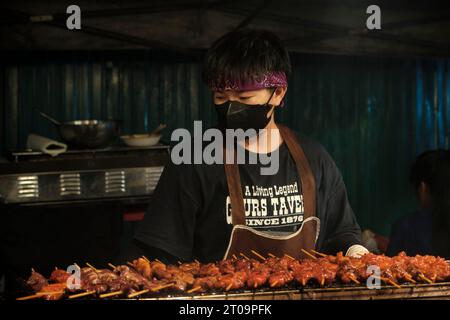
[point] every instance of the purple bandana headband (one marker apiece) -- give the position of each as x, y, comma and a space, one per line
269, 80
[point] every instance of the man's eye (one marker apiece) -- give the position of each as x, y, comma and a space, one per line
245, 98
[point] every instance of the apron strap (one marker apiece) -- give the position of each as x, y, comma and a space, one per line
304, 171
235, 191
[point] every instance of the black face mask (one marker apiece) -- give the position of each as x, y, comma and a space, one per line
236, 115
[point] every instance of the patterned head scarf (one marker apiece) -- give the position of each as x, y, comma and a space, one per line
269, 80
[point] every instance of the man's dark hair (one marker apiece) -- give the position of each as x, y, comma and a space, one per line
424, 167
244, 55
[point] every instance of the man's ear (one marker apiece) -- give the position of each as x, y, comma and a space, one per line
278, 96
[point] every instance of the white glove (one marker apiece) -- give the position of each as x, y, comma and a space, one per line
356, 251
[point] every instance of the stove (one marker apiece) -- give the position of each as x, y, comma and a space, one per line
111, 174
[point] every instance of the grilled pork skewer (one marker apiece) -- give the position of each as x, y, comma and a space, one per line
234, 274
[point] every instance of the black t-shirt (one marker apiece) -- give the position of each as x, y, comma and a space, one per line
189, 215
273, 203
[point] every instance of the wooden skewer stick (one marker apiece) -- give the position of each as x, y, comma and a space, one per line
392, 282
408, 278
32, 270
244, 256
258, 255
290, 257
387, 280
34, 296
271, 255
395, 284
273, 284
91, 266
352, 277
145, 258
39, 295
111, 294
179, 262
130, 264
49, 293
111, 265
308, 254
323, 255
229, 286
138, 293
421, 276
322, 281
83, 294
196, 261
234, 257
193, 290
161, 287
158, 261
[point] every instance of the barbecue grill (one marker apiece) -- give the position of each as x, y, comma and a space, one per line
339, 292
141, 283
408, 291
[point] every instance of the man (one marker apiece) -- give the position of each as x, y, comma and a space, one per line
215, 211
426, 230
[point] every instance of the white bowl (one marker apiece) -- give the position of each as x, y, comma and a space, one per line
141, 140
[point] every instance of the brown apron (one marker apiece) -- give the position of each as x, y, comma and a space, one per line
244, 239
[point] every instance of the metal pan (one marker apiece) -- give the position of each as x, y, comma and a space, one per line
86, 134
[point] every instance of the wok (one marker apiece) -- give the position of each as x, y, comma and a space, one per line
86, 134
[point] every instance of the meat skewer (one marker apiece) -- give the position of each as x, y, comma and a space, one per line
36, 281
144, 276
59, 276
258, 276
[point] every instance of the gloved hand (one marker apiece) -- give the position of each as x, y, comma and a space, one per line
356, 251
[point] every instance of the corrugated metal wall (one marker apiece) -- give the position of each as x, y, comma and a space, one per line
374, 115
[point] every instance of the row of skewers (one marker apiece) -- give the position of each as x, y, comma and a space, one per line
143, 276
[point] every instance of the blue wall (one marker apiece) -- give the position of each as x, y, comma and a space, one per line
374, 115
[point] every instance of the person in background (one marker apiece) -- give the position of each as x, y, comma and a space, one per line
421, 232
440, 197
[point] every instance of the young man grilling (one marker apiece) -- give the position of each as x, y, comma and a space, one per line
211, 212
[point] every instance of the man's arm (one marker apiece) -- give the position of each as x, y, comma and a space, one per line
167, 230
342, 231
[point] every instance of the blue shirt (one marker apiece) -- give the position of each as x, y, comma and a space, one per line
412, 234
